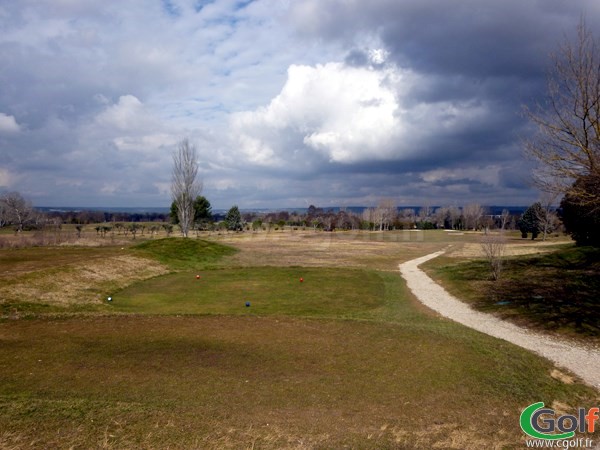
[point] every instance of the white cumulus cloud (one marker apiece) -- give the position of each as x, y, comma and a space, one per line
124, 115
131, 125
346, 114
8, 124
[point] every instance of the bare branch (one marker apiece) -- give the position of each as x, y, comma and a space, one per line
494, 246
15, 210
184, 185
567, 145
472, 214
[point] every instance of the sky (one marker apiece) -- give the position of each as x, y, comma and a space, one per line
288, 103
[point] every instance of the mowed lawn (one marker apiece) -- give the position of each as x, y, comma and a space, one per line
344, 359
323, 292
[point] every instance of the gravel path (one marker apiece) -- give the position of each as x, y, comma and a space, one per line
582, 361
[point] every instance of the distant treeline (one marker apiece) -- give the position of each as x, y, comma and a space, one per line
329, 218
89, 217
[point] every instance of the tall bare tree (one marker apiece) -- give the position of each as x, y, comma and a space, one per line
408, 214
567, 145
454, 213
184, 184
386, 213
472, 214
504, 218
425, 212
547, 218
368, 216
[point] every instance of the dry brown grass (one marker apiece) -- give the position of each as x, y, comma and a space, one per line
381, 251
60, 238
81, 282
514, 247
561, 376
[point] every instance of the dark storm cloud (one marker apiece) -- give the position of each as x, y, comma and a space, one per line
314, 101
468, 53
468, 37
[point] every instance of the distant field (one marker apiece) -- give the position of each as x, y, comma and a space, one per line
345, 359
359, 249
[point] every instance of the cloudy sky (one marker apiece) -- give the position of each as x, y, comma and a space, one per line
289, 102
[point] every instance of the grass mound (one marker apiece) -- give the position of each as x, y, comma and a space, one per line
270, 290
557, 291
179, 253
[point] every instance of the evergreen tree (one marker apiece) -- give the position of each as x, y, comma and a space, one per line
530, 221
202, 211
234, 219
173, 214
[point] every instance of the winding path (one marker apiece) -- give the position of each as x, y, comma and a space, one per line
582, 361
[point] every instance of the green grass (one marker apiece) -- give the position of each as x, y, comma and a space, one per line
270, 290
556, 292
181, 254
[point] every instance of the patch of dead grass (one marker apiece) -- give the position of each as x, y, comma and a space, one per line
561, 376
81, 282
474, 250
343, 249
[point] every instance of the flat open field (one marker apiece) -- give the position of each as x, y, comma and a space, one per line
344, 359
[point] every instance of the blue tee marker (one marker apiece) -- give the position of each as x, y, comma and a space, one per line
247, 304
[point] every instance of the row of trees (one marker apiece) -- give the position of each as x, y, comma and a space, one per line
87, 217
385, 217
18, 212
472, 216
192, 211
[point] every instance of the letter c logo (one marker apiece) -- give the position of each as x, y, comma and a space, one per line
527, 424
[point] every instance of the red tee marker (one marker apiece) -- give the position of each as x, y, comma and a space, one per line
197, 277
301, 280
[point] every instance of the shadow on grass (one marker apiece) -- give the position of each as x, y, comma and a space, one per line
556, 291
